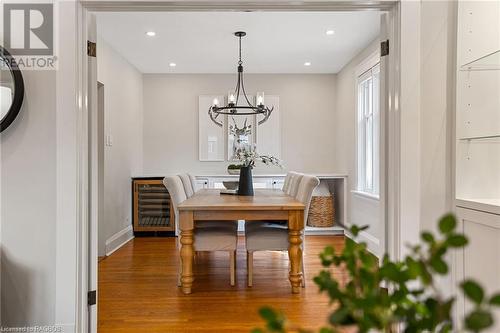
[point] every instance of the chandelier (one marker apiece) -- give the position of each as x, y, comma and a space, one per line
233, 108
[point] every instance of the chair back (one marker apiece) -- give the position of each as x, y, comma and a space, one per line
286, 183
193, 182
304, 194
177, 195
188, 185
294, 184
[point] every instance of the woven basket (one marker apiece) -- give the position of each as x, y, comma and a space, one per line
321, 212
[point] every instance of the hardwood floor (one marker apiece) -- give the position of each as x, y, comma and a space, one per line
138, 291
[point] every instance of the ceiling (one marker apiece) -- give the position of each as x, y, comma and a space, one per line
203, 42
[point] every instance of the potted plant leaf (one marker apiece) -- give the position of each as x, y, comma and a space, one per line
395, 296
234, 169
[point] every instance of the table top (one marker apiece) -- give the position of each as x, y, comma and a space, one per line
264, 199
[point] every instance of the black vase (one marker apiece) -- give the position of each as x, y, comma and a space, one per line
245, 186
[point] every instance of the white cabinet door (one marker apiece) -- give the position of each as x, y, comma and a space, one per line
201, 183
260, 183
278, 183
480, 260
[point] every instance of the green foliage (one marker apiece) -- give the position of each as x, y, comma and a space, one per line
234, 166
384, 295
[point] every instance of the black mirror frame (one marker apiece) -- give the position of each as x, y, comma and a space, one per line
17, 101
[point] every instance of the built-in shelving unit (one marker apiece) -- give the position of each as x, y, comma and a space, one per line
477, 184
335, 183
478, 105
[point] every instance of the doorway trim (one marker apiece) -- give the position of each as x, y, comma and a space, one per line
390, 202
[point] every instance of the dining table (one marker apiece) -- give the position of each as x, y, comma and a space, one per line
264, 205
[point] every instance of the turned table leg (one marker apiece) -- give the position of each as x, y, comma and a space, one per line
295, 230
187, 250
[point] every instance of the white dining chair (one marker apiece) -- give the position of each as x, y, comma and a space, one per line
189, 184
290, 186
294, 183
220, 238
270, 236
286, 183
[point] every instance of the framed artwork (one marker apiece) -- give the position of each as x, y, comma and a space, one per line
269, 132
241, 132
211, 142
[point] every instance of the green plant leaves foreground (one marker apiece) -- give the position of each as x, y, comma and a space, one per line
382, 296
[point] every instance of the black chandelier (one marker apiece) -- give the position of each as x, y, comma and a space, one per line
232, 108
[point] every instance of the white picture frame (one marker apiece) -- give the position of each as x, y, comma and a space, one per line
211, 139
269, 134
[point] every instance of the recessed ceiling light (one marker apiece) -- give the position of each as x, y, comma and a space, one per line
307, 63
151, 33
330, 32
172, 64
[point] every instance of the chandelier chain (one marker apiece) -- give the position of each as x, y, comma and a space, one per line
240, 62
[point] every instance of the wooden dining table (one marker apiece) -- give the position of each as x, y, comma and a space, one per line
266, 204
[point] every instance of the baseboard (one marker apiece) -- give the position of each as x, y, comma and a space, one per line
119, 239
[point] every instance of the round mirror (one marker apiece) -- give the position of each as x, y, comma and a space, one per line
11, 89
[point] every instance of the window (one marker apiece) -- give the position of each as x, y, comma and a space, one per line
368, 127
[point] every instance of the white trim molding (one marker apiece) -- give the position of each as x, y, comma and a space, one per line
366, 195
78, 127
119, 239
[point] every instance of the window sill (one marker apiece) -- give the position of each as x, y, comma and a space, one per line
366, 195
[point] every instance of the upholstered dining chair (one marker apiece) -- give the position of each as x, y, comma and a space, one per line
290, 186
294, 183
286, 183
189, 184
219, 238
270, 236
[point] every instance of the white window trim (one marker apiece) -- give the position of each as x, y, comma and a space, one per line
367, 64
371, 61
366, 195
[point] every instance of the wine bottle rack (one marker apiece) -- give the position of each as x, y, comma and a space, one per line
152, 207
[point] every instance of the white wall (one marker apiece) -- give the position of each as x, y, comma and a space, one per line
428, 54
361, 210
123, 106
28, 208
427, 102
438, 53
307, 108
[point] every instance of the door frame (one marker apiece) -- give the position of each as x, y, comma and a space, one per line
391, 120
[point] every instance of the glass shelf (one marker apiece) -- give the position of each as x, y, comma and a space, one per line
485, 137
488, 62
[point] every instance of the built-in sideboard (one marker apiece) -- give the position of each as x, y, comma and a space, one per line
329, 184
478, 145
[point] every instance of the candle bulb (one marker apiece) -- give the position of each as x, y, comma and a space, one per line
232, 99
216, 102
260, 99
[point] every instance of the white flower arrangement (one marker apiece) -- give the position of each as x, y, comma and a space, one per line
249, 156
